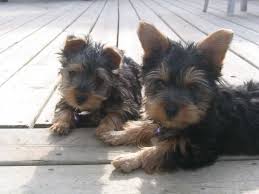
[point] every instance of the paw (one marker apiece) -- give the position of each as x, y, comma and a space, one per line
99, 131
127, 163
60, 128
114, 138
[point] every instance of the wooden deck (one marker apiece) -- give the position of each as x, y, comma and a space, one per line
34, 161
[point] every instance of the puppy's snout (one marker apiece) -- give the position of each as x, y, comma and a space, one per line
81, 99
171, 110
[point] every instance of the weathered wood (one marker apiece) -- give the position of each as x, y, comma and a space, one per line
224, 177
247, 20
40, 147
38, 88
225, 22
128, 39
47, 114
106, 28
23, 15
240, 46
13, 38
148, 15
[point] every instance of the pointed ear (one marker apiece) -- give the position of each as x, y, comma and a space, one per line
215, 46
114, 57
151, 39
73, 44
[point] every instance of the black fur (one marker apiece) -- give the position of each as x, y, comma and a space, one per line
231, 121
118, 85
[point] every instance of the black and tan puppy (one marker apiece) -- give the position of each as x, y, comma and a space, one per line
192, 116
99, 80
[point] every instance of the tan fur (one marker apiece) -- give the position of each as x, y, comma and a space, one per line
188, 114
93, 101
114, 55
112, 121
62, 122
216, 45
73, 44
151, 39
149, 158
74, 67
134, 132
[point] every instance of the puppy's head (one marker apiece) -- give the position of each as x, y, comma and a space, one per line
87, 71
179, 79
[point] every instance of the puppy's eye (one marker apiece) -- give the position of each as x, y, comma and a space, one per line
160, 83
99, 82
192, 86
71, 74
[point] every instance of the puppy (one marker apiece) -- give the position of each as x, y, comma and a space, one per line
192, 118
100, 86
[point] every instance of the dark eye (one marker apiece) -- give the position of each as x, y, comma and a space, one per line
160, 83
71, 74
192, 86
99, 82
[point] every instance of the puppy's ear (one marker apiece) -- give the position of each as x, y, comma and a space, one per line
73, 44
215, 46
152, 40
113, 56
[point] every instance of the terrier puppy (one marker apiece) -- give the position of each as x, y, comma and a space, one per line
98, 81
192, 116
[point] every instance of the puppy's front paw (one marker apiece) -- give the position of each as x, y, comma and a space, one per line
114, 138
61, 128
127, 163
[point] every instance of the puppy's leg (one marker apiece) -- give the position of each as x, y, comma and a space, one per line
111, 122
134, 132
149, 158
168, 154
63, 119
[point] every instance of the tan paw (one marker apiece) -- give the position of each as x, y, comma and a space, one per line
114, 138
60, 128
127, 163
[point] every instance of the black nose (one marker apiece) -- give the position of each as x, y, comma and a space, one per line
81, 99
171, 111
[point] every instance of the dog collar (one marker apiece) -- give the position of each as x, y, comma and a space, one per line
164, 133
76, 118
157, 131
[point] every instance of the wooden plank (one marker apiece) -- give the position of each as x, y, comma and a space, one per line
222, 4
106, 29
18, 35
23, 19
37, 88
106, 23
244, 20
225, 177
128, 39
41, 39
243, 32
47, 114
40, 147
147, 15
243, 48
235, 70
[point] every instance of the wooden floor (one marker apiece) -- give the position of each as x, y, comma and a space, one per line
33, 161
